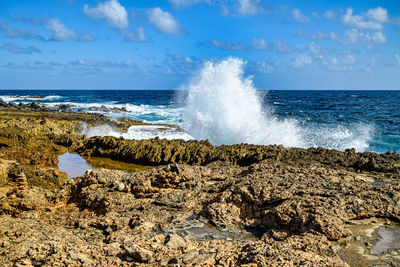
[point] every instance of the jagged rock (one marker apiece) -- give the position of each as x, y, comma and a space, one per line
156, 151
228, 205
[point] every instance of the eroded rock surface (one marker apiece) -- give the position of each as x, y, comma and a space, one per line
263, 214
160, 151
229, 205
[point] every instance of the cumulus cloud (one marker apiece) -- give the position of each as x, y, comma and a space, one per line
373, 19
333, 64
185, 3
282, 47
349, 37
111, 11
314, 48
228, 45
249, 7
301, 61
354, 36
178, 64
76, 65
16, 49
12, 32
265, 66
395, 60
370, 66
260, 44
349, 59
315, 15
100, 64
164, 21
135, 36
330, 14
300, 17
341, 64
61, 33
33, 65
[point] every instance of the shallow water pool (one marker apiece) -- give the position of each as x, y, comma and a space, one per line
75, 165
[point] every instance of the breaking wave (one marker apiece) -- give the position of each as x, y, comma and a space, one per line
224, 107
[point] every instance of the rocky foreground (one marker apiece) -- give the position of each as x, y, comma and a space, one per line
200, 206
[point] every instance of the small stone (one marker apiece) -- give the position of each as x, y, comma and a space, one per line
121, 187
336, 248
175, 241
138, 253
79, 257
358, 238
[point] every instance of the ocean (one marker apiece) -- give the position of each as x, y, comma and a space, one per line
365, 120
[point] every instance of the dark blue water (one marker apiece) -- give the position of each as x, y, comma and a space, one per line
368, 116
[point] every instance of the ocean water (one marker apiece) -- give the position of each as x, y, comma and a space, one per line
366, 120
223, 106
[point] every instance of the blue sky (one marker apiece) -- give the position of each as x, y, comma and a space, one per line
128, 44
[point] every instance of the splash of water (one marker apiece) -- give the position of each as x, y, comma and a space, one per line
224, 107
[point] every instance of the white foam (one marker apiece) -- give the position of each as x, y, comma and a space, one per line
157, 114
8, 98
340, 137
225, 108
138, 132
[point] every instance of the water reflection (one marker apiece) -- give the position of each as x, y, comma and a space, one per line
75, 165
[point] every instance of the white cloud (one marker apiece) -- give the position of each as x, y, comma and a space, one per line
349, 37
101, 64
370, 66
164, 21
112, 11
349, 59
354, 36
12, 32
260, 44
373, 19
85, 38
299, 17
282, 47
315, 15
76, 65
301, 61
228, 45
330, 14
16, 49
314, 49
397, 59
185, 3
334, 64
378, 14
257, 45
135, 36
248, 7
61, 33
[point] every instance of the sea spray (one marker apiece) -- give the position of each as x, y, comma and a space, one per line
224, 107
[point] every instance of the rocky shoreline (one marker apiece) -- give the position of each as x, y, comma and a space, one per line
200, 206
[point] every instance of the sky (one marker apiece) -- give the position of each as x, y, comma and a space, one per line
148, 44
